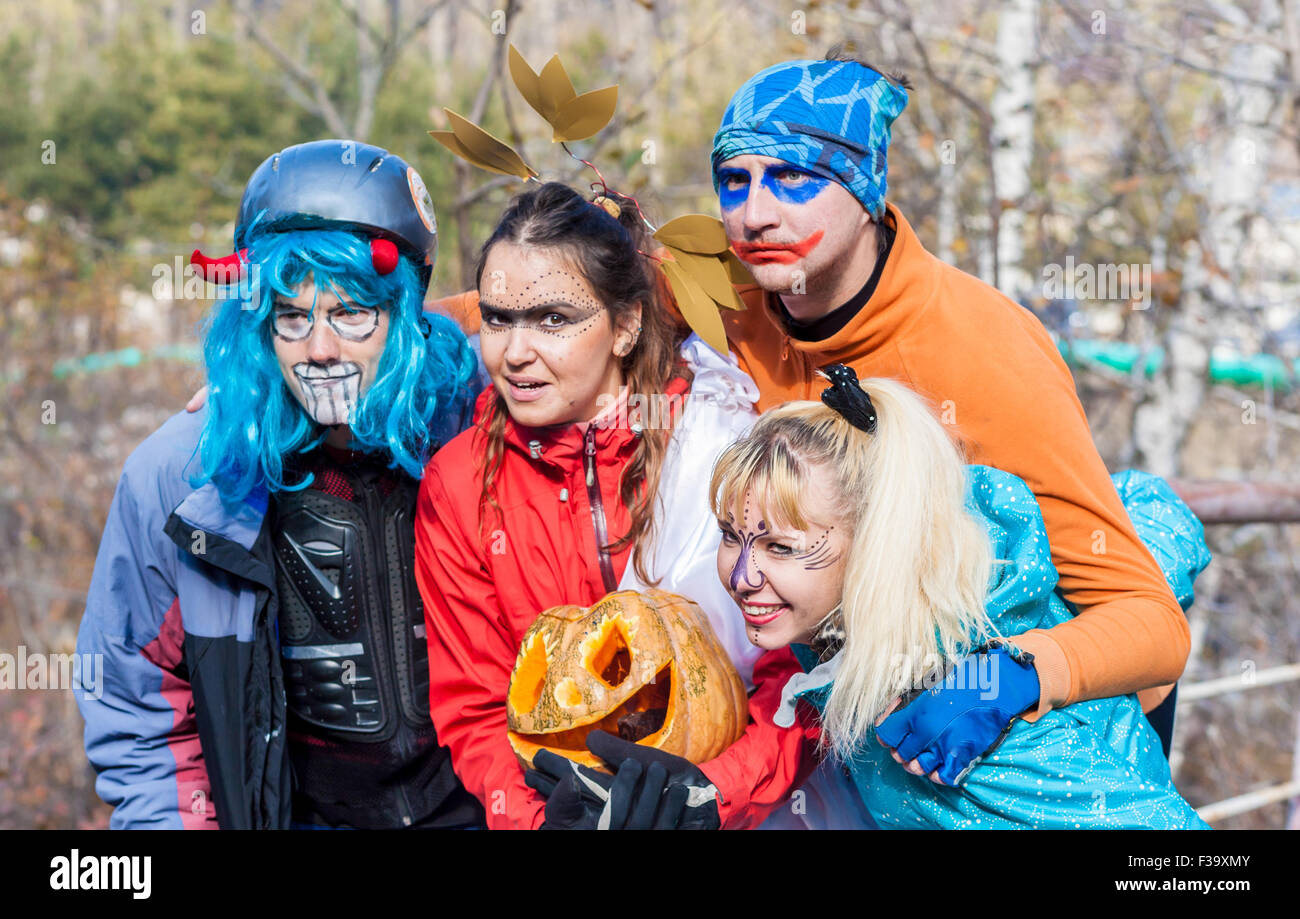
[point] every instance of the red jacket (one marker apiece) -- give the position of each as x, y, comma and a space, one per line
482, 591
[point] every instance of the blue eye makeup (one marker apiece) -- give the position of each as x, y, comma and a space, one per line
733, 188
793, 186
788, 184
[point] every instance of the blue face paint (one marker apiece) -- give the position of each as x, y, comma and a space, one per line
729, 197
788, 184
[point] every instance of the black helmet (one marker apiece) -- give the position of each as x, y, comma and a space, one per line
343, 181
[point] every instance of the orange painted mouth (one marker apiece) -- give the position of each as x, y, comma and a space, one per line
776, 253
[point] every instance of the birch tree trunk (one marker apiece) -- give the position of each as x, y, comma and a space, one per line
1013, 140
1229, 173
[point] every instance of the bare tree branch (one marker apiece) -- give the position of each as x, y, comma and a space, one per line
321, 103
417, 25
1145, 49
350, 8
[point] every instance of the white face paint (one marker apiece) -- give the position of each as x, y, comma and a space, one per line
329, 393
328, 372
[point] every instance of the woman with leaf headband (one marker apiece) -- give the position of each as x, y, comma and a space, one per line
577, 470
590, 452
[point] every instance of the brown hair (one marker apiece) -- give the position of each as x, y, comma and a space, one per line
607, 251
848, 51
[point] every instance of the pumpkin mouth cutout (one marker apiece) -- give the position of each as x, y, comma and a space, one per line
641, 719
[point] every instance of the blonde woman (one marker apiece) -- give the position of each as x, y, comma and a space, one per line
853, 532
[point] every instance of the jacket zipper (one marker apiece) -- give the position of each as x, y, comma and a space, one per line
598, 512
369, 487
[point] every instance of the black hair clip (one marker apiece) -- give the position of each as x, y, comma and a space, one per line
848, 398
426, 326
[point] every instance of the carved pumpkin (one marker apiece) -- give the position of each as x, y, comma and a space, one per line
645, 666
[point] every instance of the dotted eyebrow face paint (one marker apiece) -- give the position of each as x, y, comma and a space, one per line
554, 303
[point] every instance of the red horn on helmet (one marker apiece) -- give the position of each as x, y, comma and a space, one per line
224, 270
383, 253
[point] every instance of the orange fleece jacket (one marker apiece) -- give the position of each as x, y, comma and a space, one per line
995, 377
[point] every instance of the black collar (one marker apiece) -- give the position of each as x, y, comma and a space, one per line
824, 327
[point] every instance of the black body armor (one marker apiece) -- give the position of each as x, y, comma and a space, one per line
352, 640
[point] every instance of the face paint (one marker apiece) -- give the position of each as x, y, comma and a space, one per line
781, 253
328, 366
740, 572
549, 344
803, 236
733, 188
821, 554
351, 324
329, 393
560, 319
797, 577
788, 184
746, 537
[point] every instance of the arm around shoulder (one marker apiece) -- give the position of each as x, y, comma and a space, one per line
1130, 633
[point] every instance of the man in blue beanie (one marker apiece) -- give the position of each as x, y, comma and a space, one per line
800, 166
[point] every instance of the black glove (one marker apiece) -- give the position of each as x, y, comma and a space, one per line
691, 800
579, 798
575, 795
567, 808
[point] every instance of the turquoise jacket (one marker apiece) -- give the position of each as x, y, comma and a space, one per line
1093, 764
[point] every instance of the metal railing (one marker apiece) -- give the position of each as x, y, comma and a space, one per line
1262, 797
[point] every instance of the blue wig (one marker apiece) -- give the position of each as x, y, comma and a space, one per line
420, 397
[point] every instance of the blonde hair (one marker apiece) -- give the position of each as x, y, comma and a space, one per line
919, 564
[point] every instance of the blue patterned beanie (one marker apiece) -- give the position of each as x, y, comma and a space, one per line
830, 118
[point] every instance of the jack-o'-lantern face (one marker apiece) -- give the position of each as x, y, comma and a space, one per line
645, 666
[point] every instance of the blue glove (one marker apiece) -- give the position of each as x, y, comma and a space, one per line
952, 725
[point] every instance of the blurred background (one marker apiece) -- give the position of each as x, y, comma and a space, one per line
1127, 171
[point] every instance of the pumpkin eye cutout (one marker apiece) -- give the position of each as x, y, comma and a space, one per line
611, 660
530, 675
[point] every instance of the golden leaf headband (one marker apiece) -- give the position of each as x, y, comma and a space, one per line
699, 266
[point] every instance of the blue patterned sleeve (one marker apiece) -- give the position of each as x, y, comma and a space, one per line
1168, 528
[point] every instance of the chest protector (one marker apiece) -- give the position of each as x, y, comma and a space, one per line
350, 612
352, 642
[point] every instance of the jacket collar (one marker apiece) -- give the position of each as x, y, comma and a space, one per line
804, 685
224, 536
563, 445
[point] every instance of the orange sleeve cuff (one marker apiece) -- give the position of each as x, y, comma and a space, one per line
1052, 667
